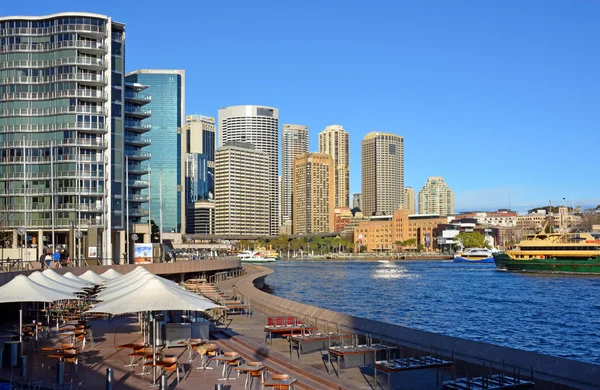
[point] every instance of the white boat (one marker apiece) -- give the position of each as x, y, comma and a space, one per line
255, 257
474, 255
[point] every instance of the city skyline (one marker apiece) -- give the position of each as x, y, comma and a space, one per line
494, 70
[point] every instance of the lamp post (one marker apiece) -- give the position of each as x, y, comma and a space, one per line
78, 234
127, 210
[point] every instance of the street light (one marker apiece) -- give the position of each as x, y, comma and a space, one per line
79, 235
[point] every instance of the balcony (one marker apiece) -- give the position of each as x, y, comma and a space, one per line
137, 126
137, 141
82, 29
29, 112
93, 96
83, 62
83, 78
137, 169
139, 98
136, 155
138, 212
138, 183
139, 198
137, 112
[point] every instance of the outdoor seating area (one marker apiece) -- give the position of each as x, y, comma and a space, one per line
232, 304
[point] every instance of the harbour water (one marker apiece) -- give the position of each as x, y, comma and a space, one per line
557, 315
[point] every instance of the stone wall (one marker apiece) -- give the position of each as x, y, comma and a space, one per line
548, 371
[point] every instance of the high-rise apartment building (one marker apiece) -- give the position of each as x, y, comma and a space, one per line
314, 194
436, 197
357, 201
259, 126
335, 141
167, 131
61, 133
382, 173
199, 173
242, 204
294, 141
410, 202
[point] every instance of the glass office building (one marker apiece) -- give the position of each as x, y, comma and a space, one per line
61, 132
168, 136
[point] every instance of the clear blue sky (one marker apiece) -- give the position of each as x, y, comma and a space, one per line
496, 96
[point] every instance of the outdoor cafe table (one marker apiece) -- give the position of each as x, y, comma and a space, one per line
280, 382
146, 356
285, 330
226, 360
247, 370
132, 347
405, 364
204, 350
357, 356
314, 342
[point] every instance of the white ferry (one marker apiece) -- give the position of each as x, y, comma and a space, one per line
255, 257
474, 255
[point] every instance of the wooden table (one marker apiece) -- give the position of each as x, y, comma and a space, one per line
274, 383
132, 347
203, 351
406, 364
247, 370
285, 330
145, 356
226, 360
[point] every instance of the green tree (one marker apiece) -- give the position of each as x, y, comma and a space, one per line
472, 240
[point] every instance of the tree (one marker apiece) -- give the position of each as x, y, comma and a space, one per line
472, 240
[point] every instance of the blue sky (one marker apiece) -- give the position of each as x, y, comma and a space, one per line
496, 96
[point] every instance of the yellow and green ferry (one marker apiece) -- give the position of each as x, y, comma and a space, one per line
553, 252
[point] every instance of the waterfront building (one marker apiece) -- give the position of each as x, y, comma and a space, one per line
294, 141
242, 178
533, 223
381, 233
410, 202
169, 138
500, 218
382, 173
314, 194
61, 133
259, 126
136, 158
357, 201
436, 197
335, 141
199, 173
342, 217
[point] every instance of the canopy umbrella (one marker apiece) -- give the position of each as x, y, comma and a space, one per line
22, 289
111, 274
70, 275
154, 295
45, 281
126, 280
127, 276
132, 283
113, 293
61, 279
92, 277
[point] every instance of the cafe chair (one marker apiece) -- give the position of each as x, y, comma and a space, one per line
234, 363
256, 374
172, 365
278, 377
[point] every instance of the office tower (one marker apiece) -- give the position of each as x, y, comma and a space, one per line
61, 133
242, 178
382, 173
357, 201
294, 141
199, 174
314, 194
436, 197
167, 131
136, 158
334, 141
410, 202
259, 126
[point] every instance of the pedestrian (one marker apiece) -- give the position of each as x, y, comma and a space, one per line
42, 256
68, 261
56, 259
48, 260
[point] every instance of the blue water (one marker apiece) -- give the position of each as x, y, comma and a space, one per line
557, 315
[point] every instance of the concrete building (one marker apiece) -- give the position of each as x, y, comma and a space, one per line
62, 135
242, 203
167, 130
335, 141
259, 126
410, 202
294, 141
199, 173
357, 201
382, 173
381, 233
500, 218
314, 194
436, 197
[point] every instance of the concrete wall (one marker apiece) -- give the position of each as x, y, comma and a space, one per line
548, 372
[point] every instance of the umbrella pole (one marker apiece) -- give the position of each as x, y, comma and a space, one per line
21, 323
154, 351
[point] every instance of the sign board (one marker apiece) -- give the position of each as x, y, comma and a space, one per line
142, 253
92, 252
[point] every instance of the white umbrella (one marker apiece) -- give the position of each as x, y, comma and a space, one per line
111, 274
92, 277
126, 280
61, 279
70, 275
22, 289
117, 291
43, 280
127, 276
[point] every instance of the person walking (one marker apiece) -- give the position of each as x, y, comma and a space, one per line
48, 260
56, 259
42, 257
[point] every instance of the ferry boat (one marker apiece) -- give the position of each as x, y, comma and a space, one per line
474, 255
255, 257
553, 252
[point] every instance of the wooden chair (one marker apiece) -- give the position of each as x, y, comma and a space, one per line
280, 377
233, 363
171, 366
256, 374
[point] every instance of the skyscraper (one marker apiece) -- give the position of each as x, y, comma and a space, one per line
436, 197
382, 173
410, 202
241, 190
357, 201
314, 194
168, 136
294, 141
335, 142
61, 132
259, 126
